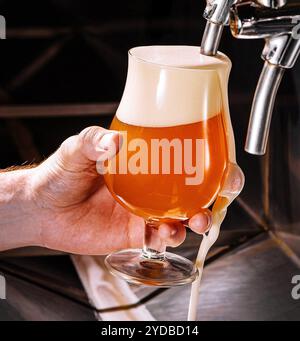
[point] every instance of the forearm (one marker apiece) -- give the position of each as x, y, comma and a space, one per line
19, 224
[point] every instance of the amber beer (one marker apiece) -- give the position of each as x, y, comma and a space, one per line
170, 196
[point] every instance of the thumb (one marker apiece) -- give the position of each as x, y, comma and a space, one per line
99, 144
92, 144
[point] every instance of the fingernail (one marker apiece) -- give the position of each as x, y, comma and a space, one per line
109, 140
108, 145
197, 221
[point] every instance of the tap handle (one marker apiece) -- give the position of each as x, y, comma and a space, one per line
278, 26
262, 109
282, 50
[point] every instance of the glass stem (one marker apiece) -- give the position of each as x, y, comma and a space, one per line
154, 248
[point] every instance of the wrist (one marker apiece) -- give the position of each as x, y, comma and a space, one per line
20, 224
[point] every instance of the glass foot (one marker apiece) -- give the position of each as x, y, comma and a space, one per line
135, 268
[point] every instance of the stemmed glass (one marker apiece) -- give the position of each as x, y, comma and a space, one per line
175, 152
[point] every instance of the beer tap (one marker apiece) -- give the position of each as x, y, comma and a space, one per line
217, 15
278, 23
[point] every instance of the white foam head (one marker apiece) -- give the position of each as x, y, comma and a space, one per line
171, 85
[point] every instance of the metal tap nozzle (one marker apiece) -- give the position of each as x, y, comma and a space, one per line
217, 15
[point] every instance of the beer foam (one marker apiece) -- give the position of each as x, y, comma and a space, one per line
171, 85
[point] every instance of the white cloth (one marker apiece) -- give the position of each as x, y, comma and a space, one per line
106, 291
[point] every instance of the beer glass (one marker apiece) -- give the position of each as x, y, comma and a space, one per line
177, 145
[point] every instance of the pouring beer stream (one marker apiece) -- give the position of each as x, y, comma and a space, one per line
232, 185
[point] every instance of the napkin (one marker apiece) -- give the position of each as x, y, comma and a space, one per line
107, 291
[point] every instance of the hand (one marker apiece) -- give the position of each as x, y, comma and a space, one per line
79, 214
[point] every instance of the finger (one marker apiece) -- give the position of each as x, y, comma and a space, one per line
99, 144
238, 180
201, 222
233, 182
172, 234
134, 235
92, 144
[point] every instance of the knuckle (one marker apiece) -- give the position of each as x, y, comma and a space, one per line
90, 133
68, 145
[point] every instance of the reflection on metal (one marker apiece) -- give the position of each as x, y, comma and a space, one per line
285, 248
217, 14
262, 109
277, 25
272, 3
252, 283
266, 225
211, 39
